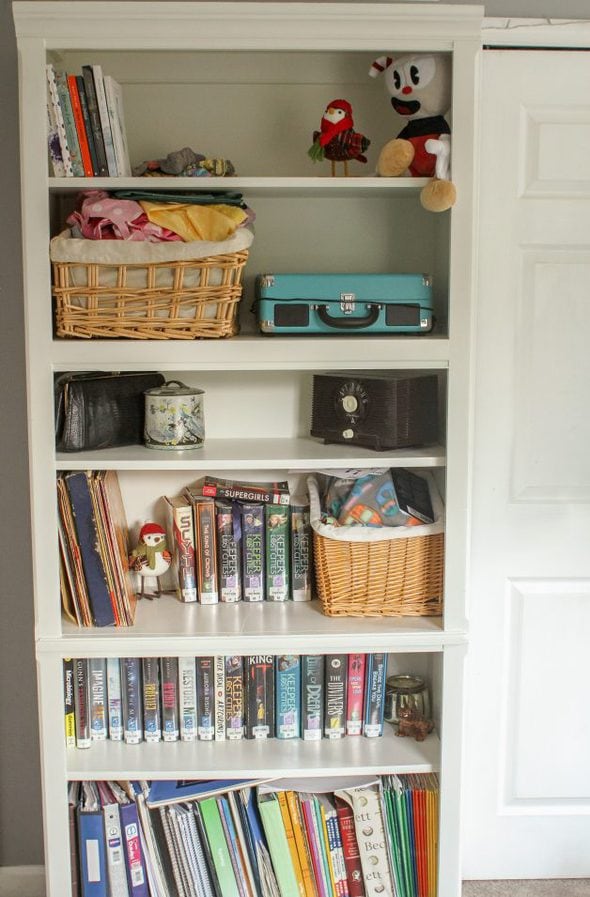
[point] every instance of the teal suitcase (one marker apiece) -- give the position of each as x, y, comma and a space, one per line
344, 303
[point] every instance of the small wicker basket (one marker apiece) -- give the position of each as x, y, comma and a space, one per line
388, 572
117, 289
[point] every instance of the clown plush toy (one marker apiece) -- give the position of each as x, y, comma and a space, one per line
420, 89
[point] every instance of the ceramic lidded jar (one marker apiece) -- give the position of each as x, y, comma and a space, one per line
174, 417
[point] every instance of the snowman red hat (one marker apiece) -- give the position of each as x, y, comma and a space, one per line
151, 529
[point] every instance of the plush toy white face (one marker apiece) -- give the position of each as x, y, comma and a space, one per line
420, 85
333, 114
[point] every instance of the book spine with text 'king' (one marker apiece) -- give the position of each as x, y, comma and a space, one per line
259, 697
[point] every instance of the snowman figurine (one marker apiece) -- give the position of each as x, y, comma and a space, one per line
151, 557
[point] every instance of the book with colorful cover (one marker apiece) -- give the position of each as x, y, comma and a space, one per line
234, 697
97, 673
169, 688
288, 696
187, 679
61, 81
205, 698
53, 139
57, 117
79, 123
301, 843
181, 536
229, 551
94, 116
355, 694
105, 123
290, 833
87, 123
276, 837
220, 854
314, 839
278, 559
259, 695
114, 700
350, 849
152, 713
336, 671
312, 696
376, 673
69, 708
236, 490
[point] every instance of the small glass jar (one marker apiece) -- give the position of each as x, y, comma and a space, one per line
405, 691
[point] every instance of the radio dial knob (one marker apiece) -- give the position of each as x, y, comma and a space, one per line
348, 434
350, 403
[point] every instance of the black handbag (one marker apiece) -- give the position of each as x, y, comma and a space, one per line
101, 409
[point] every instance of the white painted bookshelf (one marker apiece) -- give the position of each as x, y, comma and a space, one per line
249, 81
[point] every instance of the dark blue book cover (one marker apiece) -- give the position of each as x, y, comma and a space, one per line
101, 606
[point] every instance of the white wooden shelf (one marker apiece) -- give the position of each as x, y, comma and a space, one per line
252, 758
251, 454
167, 625
255, 353
250, 186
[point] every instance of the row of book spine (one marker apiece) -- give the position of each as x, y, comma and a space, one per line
231, 551
86, 124
243, 839
223, 697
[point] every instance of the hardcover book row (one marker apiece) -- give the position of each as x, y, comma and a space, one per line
216, 698
86, 124
310, 838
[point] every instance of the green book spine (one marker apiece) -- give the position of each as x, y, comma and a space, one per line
274, 829
218, 847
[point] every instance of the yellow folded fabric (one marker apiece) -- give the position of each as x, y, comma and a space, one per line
194, 222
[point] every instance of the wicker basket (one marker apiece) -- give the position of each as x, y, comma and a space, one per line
115, 288
361, 573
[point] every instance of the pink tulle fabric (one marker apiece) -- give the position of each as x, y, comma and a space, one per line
104, 217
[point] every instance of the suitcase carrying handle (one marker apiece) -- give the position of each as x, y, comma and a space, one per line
348, 323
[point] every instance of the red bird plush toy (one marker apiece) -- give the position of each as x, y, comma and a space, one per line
337, 140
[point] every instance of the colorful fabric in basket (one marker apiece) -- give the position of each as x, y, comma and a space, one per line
101, 217
374, 500
195, 222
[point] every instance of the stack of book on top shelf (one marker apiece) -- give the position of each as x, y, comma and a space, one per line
334, 837
86, 125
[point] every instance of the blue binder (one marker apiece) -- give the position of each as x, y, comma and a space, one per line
93, 863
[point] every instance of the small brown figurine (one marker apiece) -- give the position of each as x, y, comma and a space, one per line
414, 724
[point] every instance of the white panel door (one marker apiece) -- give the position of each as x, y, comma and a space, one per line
527, 778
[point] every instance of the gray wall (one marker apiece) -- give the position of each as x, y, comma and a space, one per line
20, 824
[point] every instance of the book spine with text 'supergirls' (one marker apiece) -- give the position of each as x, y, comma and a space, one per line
187, 678
355, 694
205, 698
59, 121
374, 695
277, 552
97, 672
300, 553
229, 553
181, 538
114, 704
219, 682
69, 707
253, 552
104, 120
206, 550
61, 81
79, 123
87, 123
259, 697
234, 697
336, 668
169, 676
131, 694
288, 695
94, 115
82, 702
235, 490
152, 719
312, 696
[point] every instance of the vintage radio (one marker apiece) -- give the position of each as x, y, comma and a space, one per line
381, 412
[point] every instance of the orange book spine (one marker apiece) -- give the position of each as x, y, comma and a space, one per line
291, 841
300, 843
80, 129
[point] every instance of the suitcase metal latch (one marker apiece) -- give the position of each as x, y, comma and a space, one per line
347, 303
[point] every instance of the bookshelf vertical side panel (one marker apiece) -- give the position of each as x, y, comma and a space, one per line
54, 776
38, 333
451, 762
